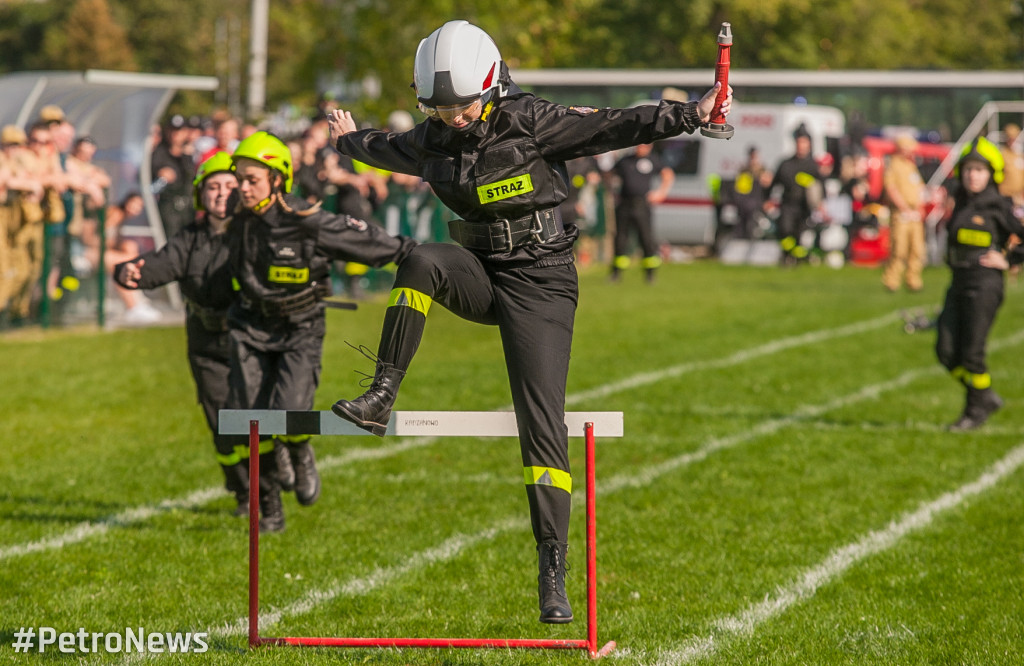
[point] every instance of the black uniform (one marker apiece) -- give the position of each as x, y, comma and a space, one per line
175, 200
280, 260
979, 223
798, 177
505, 176
197, 259
633, 210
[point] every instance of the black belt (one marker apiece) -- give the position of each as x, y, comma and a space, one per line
212, 319
503, 235
292, 304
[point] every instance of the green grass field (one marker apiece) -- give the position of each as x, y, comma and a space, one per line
785, 492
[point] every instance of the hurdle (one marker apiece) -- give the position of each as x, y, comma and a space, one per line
421, 424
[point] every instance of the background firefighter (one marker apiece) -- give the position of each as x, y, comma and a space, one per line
280, 251
197, 259
978, 233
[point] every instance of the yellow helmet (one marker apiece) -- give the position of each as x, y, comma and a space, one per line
267, 149
983, 150
219, 162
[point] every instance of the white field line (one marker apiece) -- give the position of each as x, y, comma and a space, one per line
89, 529
671, 372
838, 562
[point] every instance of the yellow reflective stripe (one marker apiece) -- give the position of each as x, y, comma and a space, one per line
294, 439
229, 459
788, 243
804, 179
744, 183
504, 189
363, 167
548, 476
410, 298
979, 381
235, 286
352, 268
973, 237
286, 275
650, 262
241, 452
621, 262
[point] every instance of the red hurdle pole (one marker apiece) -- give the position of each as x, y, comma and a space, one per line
588, 435
254, 533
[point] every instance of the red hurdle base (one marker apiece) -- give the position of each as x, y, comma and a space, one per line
590, 644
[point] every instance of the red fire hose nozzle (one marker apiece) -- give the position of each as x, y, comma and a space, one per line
717, 128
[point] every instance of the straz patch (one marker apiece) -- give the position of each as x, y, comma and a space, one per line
357, 224
973, 237
504, 189
286, 275
582, 110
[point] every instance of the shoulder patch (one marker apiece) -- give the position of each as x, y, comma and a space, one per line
356, 223
582, 110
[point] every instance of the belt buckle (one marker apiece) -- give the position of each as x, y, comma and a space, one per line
536, 227
507, 229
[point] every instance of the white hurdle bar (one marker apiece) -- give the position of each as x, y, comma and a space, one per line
257, 422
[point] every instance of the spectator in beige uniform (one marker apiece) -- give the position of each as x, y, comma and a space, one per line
40, 164
905, 190
1013, 164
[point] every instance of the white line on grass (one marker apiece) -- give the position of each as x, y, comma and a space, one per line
838, 562
198, 498
671, 372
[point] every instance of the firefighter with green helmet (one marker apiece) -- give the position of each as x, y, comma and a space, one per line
197, 259
280, 249
979, 233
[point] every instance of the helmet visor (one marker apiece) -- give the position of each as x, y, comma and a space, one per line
450, 113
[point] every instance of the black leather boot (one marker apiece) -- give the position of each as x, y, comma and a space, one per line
981, 404
285, 471
372, 410
271, 511
306, 477
554, 605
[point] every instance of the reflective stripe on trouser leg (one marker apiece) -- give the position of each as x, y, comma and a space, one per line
292, 439
448, 274
536, 309
240, 452
978, 380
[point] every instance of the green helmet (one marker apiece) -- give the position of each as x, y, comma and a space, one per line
219, 162
267, 149
984, 150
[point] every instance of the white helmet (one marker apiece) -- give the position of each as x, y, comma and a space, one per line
455, 65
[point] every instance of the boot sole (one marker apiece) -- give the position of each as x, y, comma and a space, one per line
556, 620
370, 426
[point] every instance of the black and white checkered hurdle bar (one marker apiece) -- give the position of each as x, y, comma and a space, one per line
257, 422
402, 424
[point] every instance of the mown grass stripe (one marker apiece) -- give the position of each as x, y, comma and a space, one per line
744, 624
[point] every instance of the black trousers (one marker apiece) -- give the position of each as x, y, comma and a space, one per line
971, 304
274, 365
534, 309
792, 221
209, 357
634, 216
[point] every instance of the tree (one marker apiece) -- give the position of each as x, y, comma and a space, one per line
90, 38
